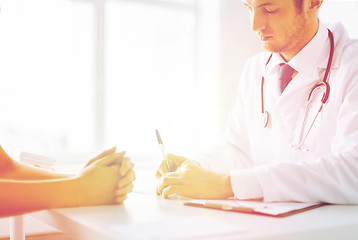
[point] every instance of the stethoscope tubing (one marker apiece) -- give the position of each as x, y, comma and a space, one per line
322, 84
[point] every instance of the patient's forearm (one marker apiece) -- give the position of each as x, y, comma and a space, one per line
23, 188
10, 169
17, 197
21, 171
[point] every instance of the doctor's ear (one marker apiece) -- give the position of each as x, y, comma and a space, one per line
315, 4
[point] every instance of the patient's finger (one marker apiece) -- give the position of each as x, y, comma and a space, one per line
103, 154
120, 199
124, 190
130, 177
126, 166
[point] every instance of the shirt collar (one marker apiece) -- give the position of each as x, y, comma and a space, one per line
307, 59
273, 64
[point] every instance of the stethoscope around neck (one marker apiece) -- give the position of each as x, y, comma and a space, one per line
320, 85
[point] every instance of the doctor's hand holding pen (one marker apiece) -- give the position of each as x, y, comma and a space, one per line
181, 176
189, 179
173, 162
170, 162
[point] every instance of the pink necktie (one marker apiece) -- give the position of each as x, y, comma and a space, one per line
285, 75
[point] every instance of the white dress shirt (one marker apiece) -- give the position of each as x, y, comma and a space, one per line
261, 161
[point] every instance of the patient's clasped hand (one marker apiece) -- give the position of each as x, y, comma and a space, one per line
106, 179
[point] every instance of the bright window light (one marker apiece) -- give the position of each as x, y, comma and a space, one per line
150, 75
46, 60
159, 64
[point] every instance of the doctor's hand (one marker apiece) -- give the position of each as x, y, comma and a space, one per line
193, 181
174, 162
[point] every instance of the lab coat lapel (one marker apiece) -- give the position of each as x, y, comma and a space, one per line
296, 93
290, 107
271, 81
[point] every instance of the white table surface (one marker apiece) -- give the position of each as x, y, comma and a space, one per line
97, 223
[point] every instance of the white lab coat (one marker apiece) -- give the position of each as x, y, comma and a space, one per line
262, 162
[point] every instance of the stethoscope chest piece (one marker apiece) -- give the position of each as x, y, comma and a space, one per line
265, 119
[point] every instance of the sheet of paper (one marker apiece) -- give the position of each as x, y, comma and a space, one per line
183, 228
274, 209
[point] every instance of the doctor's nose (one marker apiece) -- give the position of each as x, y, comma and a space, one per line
258, 22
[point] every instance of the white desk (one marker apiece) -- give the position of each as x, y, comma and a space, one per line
96, 223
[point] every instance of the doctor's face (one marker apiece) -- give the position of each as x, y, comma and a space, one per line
280, 25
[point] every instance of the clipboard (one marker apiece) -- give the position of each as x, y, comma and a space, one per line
272, 209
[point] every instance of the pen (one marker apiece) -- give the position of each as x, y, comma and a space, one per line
163, 149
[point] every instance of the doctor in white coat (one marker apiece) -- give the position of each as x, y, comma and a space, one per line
300, 144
